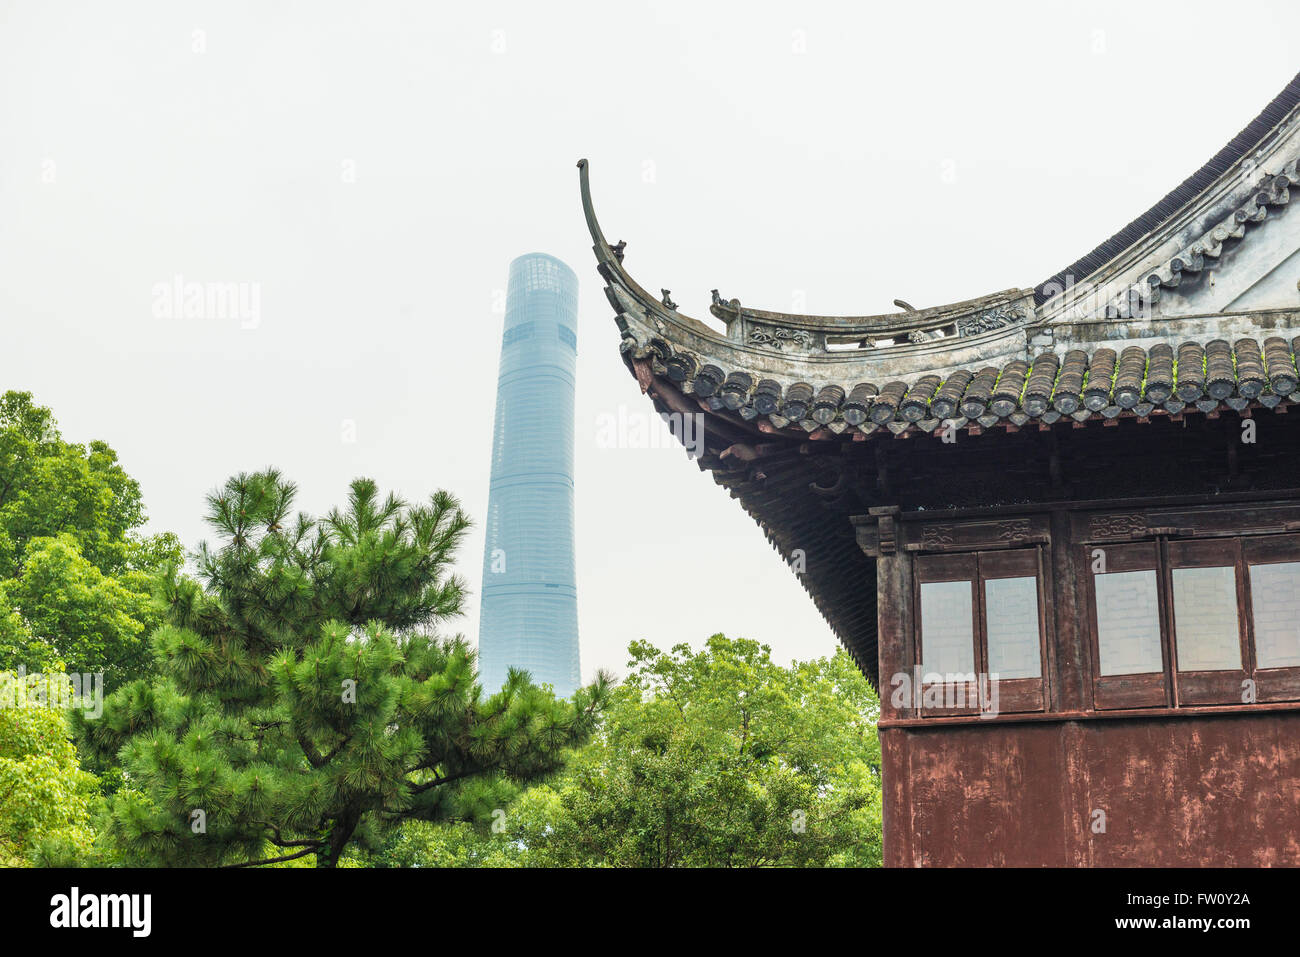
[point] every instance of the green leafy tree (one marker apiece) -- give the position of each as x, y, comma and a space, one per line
96, 622
75, 578
45, 796
454, 844
716, 758
304, 706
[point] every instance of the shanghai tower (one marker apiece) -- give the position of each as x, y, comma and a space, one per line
529, 612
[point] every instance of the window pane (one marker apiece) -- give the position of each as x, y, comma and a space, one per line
1128, 623
1011, 605
947, 635
1205, 619
1275, 599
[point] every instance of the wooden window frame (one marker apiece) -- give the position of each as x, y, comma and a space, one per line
1017, 695
930, 569
1014, 695
1172, 687
1121, 692
1271, 684
1192, 688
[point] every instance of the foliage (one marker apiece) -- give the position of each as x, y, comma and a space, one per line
302, 700
45, 796
96, 621
75, 579
452, 844
716, 758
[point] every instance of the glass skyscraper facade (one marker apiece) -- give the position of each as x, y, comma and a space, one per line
529, 611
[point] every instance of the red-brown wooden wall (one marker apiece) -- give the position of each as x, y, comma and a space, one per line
1186, 790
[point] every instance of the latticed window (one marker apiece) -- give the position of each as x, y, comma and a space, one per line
980, 621
1188, 623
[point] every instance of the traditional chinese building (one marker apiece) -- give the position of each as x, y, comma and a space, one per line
1057, 527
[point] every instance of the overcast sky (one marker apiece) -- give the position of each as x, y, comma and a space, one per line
369, 170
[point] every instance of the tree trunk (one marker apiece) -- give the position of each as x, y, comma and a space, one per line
340, 833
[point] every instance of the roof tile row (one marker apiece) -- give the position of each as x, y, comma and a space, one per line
1080, 384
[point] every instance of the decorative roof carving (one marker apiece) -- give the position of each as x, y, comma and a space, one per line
987, 321
778, 337
1274, 190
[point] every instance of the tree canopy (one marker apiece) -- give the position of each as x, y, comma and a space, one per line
290, 700
715, 758
304, 704
45, 796
75, 576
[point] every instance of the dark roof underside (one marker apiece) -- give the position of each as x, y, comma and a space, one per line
1189, 189
816, 541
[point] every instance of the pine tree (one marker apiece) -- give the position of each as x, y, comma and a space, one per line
304, 703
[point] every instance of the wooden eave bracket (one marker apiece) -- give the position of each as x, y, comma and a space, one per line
877, 531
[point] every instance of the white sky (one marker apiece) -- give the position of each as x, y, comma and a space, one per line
809, 180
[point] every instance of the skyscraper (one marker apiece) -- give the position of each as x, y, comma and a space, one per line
529, 612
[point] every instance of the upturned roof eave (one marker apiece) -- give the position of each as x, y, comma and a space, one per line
657, 312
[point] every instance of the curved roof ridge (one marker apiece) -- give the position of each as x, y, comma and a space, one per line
1180, 196
1004, 308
